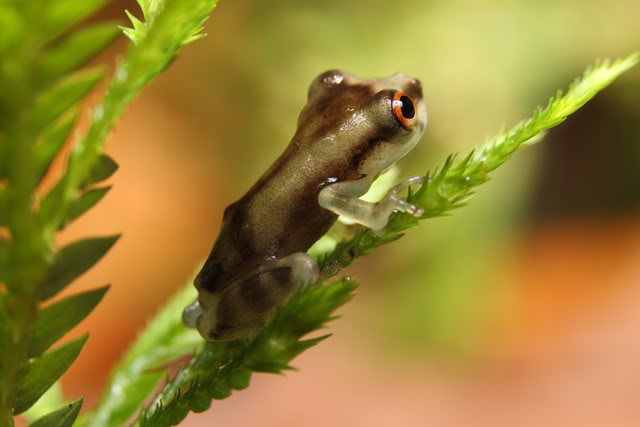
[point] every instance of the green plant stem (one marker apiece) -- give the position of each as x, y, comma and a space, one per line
143, 63
205, 364
28, 252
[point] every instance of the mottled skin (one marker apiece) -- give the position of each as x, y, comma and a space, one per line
347, 135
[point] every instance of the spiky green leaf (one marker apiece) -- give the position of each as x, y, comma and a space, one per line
101, 170
452, 185
63, 417
65, 94
222, 367
53, 201
50, 401
104, 167
72, 261
76, 49
52, 141
62, 14
83, 203
56, 320
139, 30
150, 11
168, 25
40, 373
164, 339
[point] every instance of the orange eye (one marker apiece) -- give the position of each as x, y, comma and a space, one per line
404, 109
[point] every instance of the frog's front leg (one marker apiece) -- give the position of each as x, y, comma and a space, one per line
342, 198
241, 309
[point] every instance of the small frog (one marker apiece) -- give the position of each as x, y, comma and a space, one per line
349, 132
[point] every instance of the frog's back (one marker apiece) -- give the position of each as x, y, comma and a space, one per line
278, 216
340, 127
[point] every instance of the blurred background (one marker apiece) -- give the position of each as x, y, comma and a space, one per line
522, 309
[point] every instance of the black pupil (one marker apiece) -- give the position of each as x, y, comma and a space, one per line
407, 107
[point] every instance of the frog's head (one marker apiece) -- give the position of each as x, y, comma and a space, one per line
370, 123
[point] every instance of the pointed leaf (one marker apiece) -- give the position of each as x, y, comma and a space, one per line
103, 169
50, 401
42, 372
51, 201
62, 14
137, 24
52, 141
56, 320
63, 417
133, 380
83, 204
77, 49
72, 261
63, 95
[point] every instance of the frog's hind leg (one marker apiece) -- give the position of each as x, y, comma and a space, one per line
245, 304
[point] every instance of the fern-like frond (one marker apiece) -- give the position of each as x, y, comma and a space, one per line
42, 45
152, 8
222, 367
138, 374
169, 25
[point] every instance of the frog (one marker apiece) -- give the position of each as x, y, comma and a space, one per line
350, 131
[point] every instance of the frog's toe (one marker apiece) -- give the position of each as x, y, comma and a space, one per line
191, 314
414, 180
414, 210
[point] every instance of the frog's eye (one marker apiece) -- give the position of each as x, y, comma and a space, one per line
405, 109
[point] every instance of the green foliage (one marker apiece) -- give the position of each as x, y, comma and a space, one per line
50, 401
222, 367
77, 49
42, 45
83, 203
52, 140
41, 372
72, 261
137, 375
68, 92
56, 320
105, 167
62, 417
60, 15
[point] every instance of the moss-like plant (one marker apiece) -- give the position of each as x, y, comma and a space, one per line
40, 89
